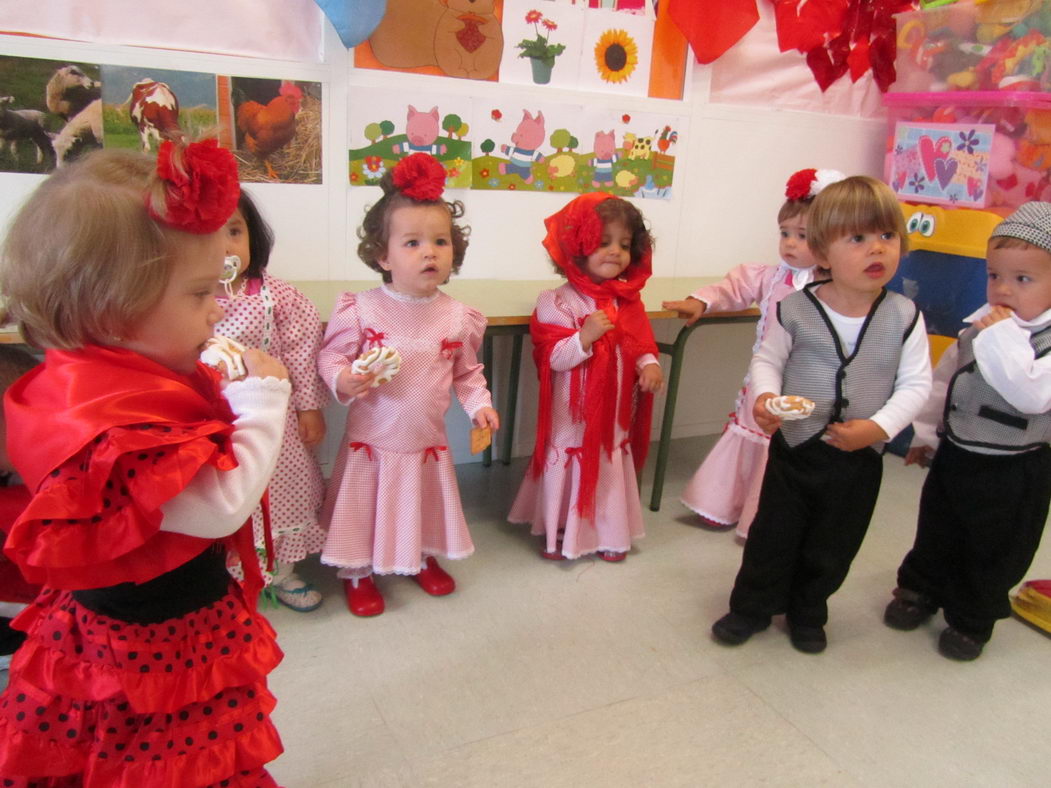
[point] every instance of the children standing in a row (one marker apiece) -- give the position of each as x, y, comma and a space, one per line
859, 352
724, 491
144, 664
393, 506
597, 361
265, 312
985, 500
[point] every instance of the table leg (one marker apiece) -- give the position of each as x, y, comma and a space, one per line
507, 420
676, 351
487, 370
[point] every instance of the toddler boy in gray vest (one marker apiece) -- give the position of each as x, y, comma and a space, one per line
860, 353
985, 500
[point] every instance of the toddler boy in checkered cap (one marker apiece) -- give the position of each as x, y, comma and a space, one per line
987, 425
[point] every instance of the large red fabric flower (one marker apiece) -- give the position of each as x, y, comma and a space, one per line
420, 177
201, 191
575, 231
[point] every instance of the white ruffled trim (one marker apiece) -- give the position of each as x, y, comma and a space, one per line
406, 298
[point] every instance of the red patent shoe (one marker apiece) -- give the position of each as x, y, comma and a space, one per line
611, 556
435, 580
363, 599
553, 555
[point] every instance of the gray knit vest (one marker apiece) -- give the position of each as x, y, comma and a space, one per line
977, 415
842, 387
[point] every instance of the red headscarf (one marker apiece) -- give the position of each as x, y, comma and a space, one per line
572, 233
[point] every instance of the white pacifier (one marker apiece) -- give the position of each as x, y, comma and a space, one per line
231, 268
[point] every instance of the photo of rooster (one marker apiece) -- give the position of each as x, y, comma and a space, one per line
274, 127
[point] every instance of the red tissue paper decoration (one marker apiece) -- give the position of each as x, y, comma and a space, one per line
713, 26
838, 36
421, 177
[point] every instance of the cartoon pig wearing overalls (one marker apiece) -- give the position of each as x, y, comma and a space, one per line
527, 138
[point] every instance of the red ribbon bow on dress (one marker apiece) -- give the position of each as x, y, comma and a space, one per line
374, 338
448, 347
432, 451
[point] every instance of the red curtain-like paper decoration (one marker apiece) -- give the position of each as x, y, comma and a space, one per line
841, 36
713, 26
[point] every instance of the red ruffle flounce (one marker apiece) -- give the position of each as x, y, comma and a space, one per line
179, 703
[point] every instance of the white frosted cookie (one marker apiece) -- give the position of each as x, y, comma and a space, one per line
382, 362
224, 354
789, 406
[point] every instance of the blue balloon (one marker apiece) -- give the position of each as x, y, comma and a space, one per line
354, 20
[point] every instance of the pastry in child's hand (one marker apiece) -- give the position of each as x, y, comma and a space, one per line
382, 362
224, 354
789, 406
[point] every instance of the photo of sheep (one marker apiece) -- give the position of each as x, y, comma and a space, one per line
143, 106
50, 112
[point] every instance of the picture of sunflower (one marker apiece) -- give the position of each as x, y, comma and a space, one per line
616, 56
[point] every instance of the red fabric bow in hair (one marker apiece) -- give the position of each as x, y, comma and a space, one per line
420, 177
201, 187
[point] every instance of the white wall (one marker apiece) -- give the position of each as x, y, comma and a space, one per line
729, 180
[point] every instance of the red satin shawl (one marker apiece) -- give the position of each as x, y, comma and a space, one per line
573, 232
103, 437
13, 587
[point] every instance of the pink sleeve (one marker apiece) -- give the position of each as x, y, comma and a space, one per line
468, 374
342, 342
299, 326
740, 288
566, 353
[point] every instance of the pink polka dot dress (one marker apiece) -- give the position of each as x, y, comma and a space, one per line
393, 497
274, 316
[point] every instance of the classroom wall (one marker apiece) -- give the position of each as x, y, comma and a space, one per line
729, 180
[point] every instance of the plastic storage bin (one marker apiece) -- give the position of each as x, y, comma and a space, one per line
986, 150
992, 45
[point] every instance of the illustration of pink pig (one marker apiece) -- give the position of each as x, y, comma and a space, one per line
526, 138
421, 128
602, 161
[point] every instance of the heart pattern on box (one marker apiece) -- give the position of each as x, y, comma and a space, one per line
931, 152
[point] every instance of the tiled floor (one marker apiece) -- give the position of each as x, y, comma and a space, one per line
586, 673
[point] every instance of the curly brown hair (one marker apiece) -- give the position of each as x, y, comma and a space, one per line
374, 232
618, 210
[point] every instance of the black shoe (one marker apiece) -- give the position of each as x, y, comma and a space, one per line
733, 629
954, 644
809, 640
908, 610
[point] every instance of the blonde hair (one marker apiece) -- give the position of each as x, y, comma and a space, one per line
858, 204
83, 261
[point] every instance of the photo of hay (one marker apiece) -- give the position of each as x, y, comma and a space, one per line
273, 127
143, 106
50, 113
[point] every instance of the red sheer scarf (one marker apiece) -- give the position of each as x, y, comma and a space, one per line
574, 232
103, 437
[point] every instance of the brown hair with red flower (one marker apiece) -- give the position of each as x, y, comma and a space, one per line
580, 230
418, 179
198, 186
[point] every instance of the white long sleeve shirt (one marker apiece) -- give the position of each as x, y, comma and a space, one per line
1006, 361
216, 503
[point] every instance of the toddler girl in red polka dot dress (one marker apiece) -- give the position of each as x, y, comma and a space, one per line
393, 506
268, 313
144, 662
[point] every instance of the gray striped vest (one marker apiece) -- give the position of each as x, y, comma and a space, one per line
842, 387
975, 413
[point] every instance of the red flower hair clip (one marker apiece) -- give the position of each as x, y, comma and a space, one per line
420, 176
201, 188
807, 184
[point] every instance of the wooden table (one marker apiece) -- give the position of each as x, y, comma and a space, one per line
507, 305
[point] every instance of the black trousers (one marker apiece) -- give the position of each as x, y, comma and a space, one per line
814, 509
981, 518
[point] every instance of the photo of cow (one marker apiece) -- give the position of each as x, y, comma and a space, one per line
141, 106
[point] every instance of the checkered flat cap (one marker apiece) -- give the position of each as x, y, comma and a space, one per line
1030, 223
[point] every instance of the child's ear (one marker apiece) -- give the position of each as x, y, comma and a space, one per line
383, 263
